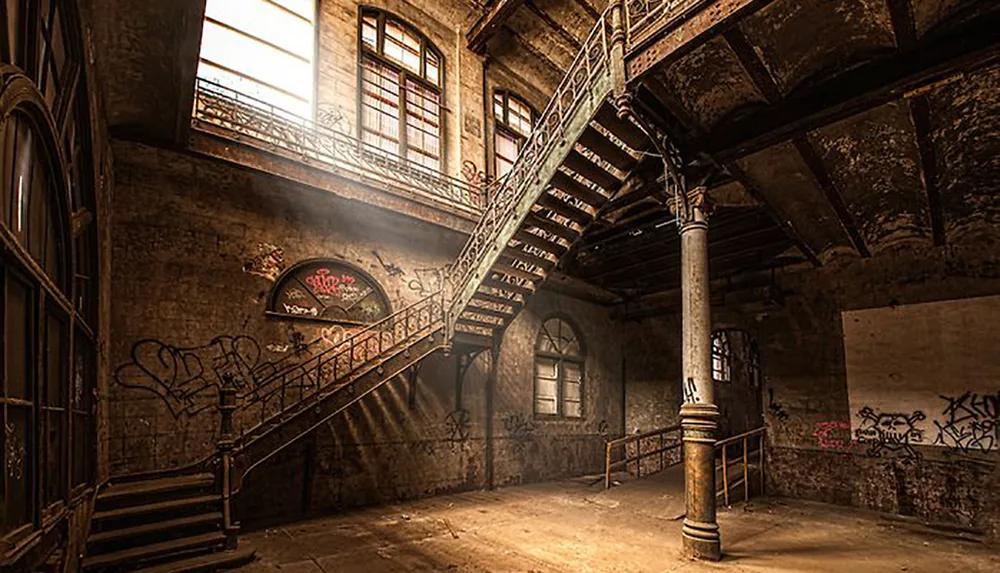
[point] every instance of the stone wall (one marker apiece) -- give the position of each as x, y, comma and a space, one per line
815, 449
197, 244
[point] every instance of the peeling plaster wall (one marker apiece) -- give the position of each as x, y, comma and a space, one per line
196, 246
814, 453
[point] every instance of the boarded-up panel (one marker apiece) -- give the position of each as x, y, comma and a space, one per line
925, 374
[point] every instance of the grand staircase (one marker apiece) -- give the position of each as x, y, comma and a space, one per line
577, 159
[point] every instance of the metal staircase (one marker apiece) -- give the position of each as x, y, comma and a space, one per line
576, 159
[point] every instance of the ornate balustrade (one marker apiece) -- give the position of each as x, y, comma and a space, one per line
644, 17
219, 109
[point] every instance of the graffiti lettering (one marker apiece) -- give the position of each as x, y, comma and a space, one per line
324, 283
14, 452
833, 436
457, 425
890, 432
426, 281
473, 175
331, 116
268, 263
520, 428
775, 408
970, 423
691, 392
390, 268
300, 310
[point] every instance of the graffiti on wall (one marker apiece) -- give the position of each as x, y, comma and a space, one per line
473, 175
833, 436
331, 116
520, 428
268, 262
14, 452
187, 378
389, 267
890, 433
425, 281
776, 408
457, 425
969, 423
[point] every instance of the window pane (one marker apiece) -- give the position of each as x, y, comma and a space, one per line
23, 168
18, 494
380, 106
266, 21
506, 152
265, 95
18, 324
56, 358
572, 385
422, 124
304, 8
433, 68
7, 168
253, 59
369, 31
546, 381
402, 46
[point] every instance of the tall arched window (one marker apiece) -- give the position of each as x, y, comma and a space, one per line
48, 268
559, 360
513, 119
262, 48
722, 357
401, 78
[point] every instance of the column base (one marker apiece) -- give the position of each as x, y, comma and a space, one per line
701, 540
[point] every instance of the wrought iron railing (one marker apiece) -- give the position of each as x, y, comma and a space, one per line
593, 61
285, 391
745, 452
662, 447
218, 108
643, 17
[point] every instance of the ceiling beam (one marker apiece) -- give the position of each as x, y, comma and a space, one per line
590, 10
938, 58
490, 23
559, 70
753, 65
822, 179
553, 25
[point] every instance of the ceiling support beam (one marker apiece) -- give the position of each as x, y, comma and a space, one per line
590, 10
490, 23
559, 70
752, 64
833, 196
556, 27
937, 59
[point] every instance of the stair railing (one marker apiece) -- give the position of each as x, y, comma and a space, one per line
271, 400
661, 442
743, 444
505, 209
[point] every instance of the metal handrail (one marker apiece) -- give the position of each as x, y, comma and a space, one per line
240, 115
623, 443
644, 17
744, 459
310, 379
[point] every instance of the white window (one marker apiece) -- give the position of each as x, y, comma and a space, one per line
265, 49
558, 370
400, 90
513, 120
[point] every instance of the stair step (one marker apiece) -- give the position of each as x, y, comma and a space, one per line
136, 554
570, 186
505, 286
539, 242
155, 527
515, 305
516, 272
505, 316
173, 504
478, 323
563, 231
592, 171
623, 129
565, 209
520, 255
607, 150
200, 563
155, 486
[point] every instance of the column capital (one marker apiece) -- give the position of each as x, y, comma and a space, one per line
691, 209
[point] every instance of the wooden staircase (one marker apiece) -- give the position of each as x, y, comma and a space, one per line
166, 525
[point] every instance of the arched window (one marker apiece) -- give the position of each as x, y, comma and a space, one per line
48, 267
328, 290
722, 357
262, 48
559, 359
513, 119
401, 78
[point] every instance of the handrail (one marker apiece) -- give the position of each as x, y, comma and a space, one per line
305, 380
644, 17
744, 459
243, 115
623, 443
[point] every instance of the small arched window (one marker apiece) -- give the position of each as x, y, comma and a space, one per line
722, 357
401, 78
328, 290
513, 119
559, 360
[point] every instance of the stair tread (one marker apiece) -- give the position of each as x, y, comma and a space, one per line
515, 304
479, 323
571, 212
474, 309
151, 486
133, 554
607, 149
218, 560
515, 272
588, 169
508, 287
540, 242
571, 186
115, 534
564, 231
154, 507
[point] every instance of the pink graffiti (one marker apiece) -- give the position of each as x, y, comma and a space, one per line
322, 282
826, 435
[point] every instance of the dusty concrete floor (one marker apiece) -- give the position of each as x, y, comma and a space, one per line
573, 527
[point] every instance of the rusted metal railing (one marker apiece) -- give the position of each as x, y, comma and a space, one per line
659, 444
644, 17
742, 444
222, 110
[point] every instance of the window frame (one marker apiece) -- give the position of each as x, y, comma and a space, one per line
502, 125
724, 355
291, 274
377, 55
578, 360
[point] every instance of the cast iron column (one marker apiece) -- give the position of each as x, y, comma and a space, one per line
698, 412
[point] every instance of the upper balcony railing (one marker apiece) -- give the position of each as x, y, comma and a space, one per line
222, 110
644, 17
